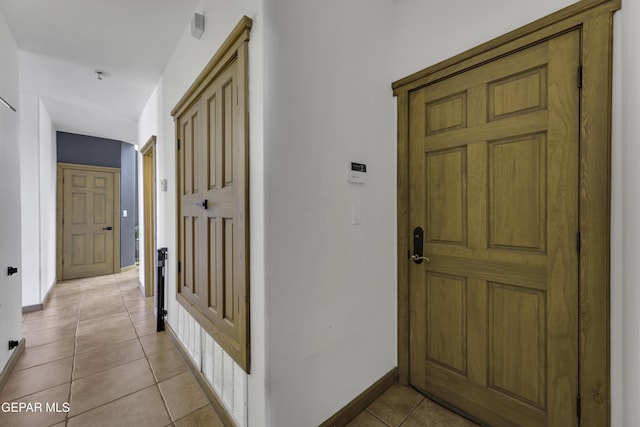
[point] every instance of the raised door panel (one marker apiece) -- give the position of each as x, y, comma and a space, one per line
100, 251
229, 133
79, 207
516, 343
446, 189
189, 159
213, 269
446, 327
228, 287
213, 132
192, 153
100, 209
446, 114
523, 92
79, 250
517, 193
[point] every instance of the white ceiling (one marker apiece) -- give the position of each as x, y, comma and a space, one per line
63, 42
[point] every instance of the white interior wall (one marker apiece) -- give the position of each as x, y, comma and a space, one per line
30, 199
10, 244
188, 60
427, 32
148, 126
626, 313
38, 198
331, 284
47, 205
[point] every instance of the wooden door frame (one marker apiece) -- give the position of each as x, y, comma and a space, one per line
149, 196
60, 212
594, 19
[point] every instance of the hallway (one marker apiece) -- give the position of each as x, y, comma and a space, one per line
95, 348
93, 357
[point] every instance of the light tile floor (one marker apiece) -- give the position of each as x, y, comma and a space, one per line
403, 406
95, 348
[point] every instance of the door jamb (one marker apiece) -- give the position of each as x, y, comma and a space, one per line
61, 167
595, 20
148, 153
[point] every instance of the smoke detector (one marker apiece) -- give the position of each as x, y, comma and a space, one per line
101, 74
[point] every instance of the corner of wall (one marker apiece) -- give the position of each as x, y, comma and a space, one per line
10, 211
47, 202
30, 205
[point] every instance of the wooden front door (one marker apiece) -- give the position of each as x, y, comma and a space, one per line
494, 158
88, 223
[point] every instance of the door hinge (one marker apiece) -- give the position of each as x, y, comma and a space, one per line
578, 242
178, 266
579, 76
178, 144
578, 406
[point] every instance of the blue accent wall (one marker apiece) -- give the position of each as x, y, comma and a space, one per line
93, 151
88, 150
128, 196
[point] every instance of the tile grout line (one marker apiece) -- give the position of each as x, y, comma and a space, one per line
146, 356
411, 411
75, 350
377, 417
119, 397
164, 400
75, 353
111, 401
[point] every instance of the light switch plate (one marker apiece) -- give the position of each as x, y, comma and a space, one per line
356, 217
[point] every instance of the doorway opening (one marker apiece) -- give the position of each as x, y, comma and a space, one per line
149, 208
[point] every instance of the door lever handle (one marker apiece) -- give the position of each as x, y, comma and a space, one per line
203, 204
418, 259
418, 241
108, 228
